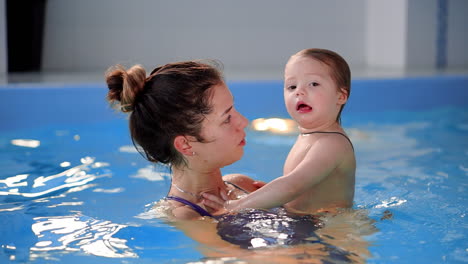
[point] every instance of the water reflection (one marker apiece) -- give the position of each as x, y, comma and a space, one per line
128, 149
395, 161
28, 143
25, 196
149, 173
114, 190
73, 179
80, 233
343, 238
65, 164
274, 125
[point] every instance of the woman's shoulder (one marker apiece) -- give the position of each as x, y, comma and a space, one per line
166, 210
162, 209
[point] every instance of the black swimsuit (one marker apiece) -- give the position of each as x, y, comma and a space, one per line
256, 228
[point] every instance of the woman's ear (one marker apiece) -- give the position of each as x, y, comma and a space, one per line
182, 144
343, 96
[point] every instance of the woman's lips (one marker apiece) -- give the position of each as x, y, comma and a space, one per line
243, 142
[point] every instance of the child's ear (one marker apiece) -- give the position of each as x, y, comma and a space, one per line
182, 144
343, 96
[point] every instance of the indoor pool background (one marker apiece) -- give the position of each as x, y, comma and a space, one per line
73, 190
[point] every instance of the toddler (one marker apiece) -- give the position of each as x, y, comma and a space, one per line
319, 172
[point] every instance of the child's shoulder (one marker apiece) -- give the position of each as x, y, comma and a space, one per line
327, 139
338, 139
336, 146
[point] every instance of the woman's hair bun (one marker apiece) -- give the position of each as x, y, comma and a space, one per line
124, 85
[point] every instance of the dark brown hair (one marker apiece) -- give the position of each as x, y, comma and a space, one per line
173, 100
339, 69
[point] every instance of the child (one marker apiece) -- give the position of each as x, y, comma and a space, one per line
319, 172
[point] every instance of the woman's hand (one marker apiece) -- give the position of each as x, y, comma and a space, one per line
220, 204
258, 184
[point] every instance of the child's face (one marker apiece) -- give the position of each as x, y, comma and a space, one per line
311, 95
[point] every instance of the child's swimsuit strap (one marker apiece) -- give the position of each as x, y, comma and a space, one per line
331, 132
195, 207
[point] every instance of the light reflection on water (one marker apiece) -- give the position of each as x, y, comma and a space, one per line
68, 233
71, 180
275, 125
28, 143
78, 232
149, 173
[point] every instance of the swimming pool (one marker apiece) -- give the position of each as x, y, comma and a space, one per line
73, 190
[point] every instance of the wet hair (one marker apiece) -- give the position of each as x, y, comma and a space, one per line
173, 100
339, 69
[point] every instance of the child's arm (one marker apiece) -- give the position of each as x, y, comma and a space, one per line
321, 159
243, 181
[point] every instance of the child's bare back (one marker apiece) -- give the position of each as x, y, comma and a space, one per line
334, 191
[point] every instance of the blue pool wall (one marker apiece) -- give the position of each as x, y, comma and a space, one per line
25, 106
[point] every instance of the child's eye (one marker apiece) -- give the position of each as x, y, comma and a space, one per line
291, 87
314, 84
228, 120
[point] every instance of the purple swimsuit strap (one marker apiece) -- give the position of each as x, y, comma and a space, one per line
195, 207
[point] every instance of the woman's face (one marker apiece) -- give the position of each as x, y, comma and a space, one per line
223, 131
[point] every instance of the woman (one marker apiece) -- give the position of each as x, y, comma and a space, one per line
183, 115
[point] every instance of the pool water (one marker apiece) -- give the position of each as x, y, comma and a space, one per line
73, 189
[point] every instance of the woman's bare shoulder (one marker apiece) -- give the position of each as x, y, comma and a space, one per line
166, 210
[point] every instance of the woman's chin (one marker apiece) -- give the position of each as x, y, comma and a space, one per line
235, 158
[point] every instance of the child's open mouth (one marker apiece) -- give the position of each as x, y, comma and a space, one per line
303, 108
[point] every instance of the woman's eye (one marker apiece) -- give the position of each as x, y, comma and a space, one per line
228, 120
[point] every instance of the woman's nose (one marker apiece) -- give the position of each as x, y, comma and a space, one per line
243, 122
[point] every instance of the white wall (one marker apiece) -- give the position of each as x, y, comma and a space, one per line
252, 37
245, 35
3, 40
386, 27
402, 34
421, 48
457, 44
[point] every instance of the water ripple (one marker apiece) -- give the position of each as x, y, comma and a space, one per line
27, 186
80, 233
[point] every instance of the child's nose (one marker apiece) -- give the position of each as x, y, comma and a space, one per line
300, 90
